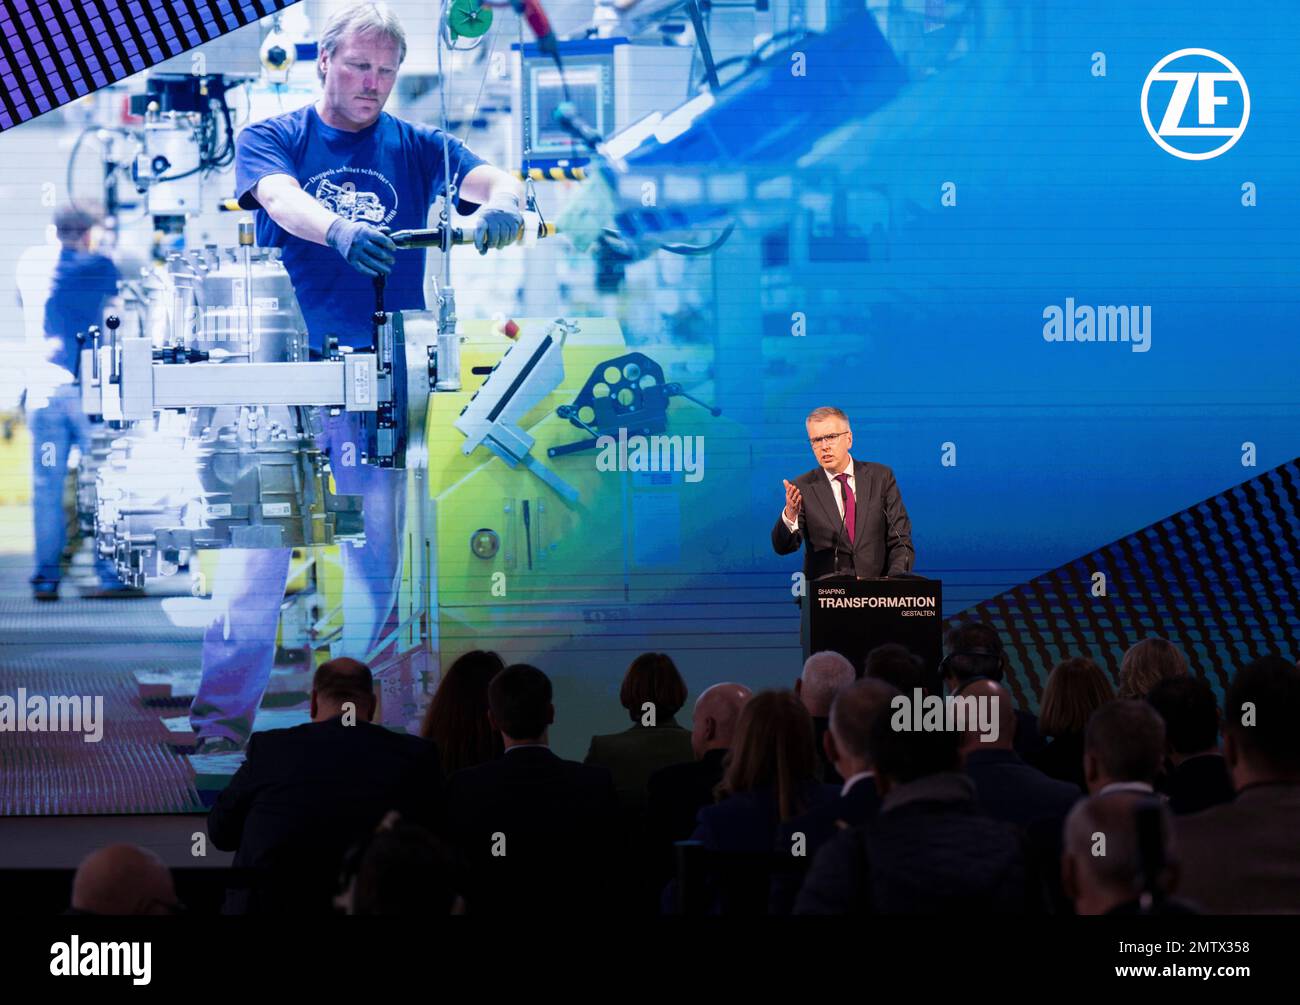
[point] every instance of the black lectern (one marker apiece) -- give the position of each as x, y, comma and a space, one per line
852, 616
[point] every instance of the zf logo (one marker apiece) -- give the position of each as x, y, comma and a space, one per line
1221, 108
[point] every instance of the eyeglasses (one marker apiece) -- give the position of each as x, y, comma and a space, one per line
817, 441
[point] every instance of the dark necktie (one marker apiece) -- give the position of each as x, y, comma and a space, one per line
850, 504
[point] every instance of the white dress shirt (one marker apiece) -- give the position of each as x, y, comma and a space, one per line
835, 491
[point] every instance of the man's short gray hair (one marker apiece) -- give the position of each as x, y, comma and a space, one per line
826, 412
824, 675
361, 17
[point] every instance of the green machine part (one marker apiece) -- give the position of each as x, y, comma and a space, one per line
468, 19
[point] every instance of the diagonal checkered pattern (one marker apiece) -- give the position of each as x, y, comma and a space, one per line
55, 51
1219, 579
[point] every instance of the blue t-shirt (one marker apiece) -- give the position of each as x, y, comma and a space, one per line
387, 174
82, 281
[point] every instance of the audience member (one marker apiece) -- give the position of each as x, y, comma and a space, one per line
1242, 857
1111, 877
929, 849
898, 666
1148, 662
539, 835
653, 692
1075, 689
304, 795
457, 720
824, 675
677, 793
1123, 748
123, 879
973, 651
402, 871
852, 713
1197, 777
1008, 788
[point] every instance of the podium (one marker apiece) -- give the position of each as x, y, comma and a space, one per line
852, 616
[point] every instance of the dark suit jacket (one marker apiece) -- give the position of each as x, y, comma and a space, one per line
305, 795
1199, 783
1241, 857
749, 821
818, 826
561, 828
929, 850
1061, 758
882, 544
821, 726
676, 794
635, 754
1009, 789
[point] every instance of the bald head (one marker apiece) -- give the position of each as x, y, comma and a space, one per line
1101, 865
123, 879
824, 675
998, 710
716, 713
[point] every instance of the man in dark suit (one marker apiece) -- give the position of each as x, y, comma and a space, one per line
848, 514
677, 793
852, 714
305, 795
540, 836
929, 849
1008, 788
1242, 857
825, 674
1198, 776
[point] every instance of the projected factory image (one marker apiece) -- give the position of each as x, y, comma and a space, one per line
404, 498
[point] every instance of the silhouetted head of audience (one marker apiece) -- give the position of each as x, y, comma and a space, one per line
898, 666
1124, 743
652, 684
900, 757
853, 712
403, 871
1075, 689
972, 651
519, 705
1260, 739
824, 675
773, 749
1106, 863
457, 717
341, 685
123, 879
1147, 663
1187, 706
997, 729
717, 711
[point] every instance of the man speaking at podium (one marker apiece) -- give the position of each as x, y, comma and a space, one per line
848, 514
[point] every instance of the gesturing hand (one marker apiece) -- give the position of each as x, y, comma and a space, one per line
793, 500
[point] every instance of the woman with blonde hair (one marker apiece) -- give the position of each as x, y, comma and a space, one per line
1147, 663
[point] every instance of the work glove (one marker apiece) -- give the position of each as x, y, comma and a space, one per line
499, 222
367, 249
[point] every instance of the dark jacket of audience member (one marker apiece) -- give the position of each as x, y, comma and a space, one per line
457, 720
1243, 857
929, 849
305, 795
539, 834
651, 685
1197, 774
1075, 689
